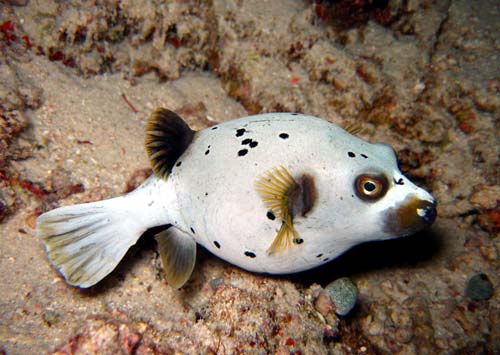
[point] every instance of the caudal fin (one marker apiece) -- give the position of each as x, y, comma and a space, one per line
85, 242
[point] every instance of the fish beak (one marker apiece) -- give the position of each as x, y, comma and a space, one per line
427, 211
411, 215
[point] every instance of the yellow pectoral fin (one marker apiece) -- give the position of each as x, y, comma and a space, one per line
278, 189
285, 238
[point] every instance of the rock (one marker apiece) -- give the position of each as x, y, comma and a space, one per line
343, 293
486, 197
479, 287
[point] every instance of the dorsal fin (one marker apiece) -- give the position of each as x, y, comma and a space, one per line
167, 137
352, 128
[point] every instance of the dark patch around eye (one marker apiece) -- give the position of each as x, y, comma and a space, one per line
370, 187
246, 141
207, 151
271, 215
364, 156
351, 154
250, 254
178, 164
253, 144
242, 152
284, 135
319, 255
240, 132
216, 243
192, 230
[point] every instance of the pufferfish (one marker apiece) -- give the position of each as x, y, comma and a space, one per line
274, 193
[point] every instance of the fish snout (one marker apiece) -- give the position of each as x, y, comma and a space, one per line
427, 211
409, 216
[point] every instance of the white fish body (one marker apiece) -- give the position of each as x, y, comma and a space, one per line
275, 193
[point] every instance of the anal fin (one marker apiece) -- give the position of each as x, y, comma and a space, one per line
178, 255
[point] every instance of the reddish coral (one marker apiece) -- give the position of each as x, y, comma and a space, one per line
8, 30
489, 220
355, 12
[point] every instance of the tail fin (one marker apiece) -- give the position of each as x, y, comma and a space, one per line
85, 242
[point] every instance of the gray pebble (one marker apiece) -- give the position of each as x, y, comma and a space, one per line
479, 287
343, 293
215, 282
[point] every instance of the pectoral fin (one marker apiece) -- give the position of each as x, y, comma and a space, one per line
278, 190
178, 255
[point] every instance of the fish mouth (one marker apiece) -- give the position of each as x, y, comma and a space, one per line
410, 216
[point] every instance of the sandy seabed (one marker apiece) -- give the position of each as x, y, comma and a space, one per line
78, 82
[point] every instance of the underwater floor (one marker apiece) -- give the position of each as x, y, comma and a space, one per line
78, 82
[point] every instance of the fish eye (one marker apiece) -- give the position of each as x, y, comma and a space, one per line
370, 187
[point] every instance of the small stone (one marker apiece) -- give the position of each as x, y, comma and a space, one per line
324, 304
51, 318
479, 287
343, 293
215, 282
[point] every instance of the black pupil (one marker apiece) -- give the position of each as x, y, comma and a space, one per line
370, 186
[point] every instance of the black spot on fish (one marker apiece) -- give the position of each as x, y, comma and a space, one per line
240, 132
364, 156
319, 255
294, 114
192, 230
351, 154
215, 127
250, 254
207, 151
242, 152
253, 144
246, 141
216, 243
271, 215
399, 182
206, 193
298, 241
178, 164
284, 135
326, 259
